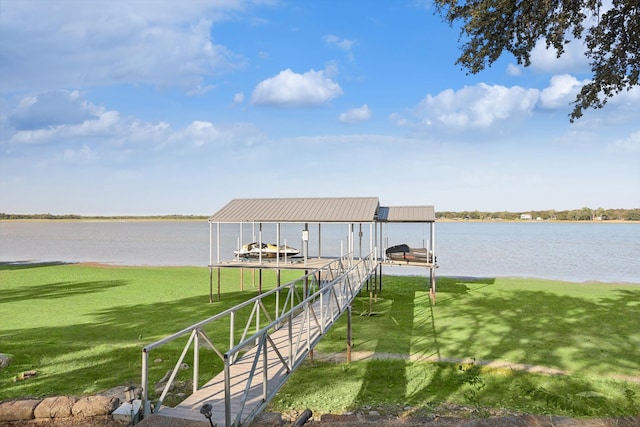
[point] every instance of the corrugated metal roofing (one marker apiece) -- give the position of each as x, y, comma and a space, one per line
407, 214
348, 210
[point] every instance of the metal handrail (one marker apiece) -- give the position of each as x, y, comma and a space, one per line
311, 282
336, 292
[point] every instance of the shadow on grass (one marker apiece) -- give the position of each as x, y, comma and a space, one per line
448, 281
593, 337
21, 265
598, 336
400, 312
589, 336
455, 286
543, 328
105, 351
57, 290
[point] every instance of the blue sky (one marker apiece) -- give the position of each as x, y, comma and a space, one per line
149, 107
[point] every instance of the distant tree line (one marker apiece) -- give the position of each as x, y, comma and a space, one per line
73, 216
583, 214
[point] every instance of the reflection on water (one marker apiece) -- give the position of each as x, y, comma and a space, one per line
566, 251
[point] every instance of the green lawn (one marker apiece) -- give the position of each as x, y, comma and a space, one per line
82, 329
591, 328
590, 331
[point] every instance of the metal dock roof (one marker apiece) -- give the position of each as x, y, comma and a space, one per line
327, 209
407, 214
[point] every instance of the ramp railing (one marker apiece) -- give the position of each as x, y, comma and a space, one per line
316, 314
320, 296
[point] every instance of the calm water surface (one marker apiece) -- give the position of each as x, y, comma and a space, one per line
565, 251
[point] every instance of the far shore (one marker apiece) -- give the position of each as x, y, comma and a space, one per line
201, 219
609, 221
108, 219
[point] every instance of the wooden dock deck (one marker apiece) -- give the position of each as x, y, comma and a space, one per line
291, 263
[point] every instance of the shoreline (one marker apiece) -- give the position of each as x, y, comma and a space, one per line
98, 219
466, 278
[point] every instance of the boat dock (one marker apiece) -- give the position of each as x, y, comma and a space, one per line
279, 327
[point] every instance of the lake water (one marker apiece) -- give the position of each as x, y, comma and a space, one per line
566, 251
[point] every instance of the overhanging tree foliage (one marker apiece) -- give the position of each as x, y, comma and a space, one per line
612, 38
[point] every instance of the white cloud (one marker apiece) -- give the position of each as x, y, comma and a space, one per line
289, 89
343, 44
628, 99
136, 42
355, 115
573, 60
107, 126
107, 123
82, 155
37, 136
238, 98
49, 109
198, 89
63, 117
398, 119
514, 70
331, 69
108, 131
630, 144
198, 133
476, 107
562, 90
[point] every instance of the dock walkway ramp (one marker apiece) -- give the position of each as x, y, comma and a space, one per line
278, 330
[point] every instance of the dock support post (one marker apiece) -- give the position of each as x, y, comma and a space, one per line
349, 334
210, 284
219, 283
146, 404
265, 367
196, 360
432, 285
227, 391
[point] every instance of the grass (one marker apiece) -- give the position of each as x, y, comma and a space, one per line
572, 327
589, 331
82, 328
395, 385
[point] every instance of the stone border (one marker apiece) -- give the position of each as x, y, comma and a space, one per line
58, 408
